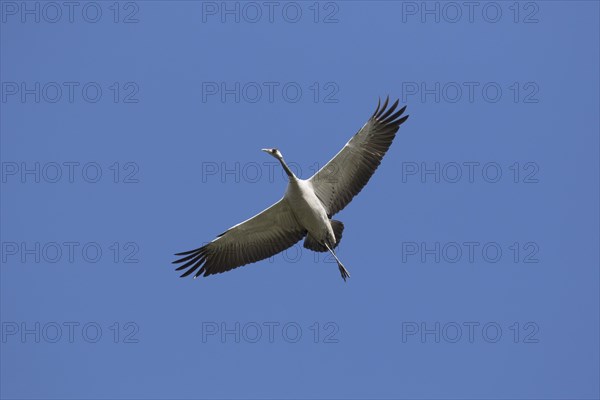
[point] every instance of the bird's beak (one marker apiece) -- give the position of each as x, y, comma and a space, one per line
266, 150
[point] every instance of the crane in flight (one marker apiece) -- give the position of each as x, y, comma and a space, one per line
306, 207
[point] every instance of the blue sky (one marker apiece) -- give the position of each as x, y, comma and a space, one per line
132, 130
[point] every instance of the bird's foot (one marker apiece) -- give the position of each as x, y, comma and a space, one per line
343, 271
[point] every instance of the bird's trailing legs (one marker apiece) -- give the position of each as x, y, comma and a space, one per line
343, 270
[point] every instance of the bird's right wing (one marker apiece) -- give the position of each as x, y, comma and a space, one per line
262, 236
344, 176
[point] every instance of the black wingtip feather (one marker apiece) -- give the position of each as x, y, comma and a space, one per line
193, 259
377, 109
191, 262
200, 272
383, 107
186, 273
185, 253
194, 267
388, 115
390, 110
392, 119
192, 255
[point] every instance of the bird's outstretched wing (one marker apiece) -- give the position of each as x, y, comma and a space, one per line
262, 236
344, 176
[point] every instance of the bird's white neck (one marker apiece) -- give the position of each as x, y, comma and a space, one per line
287, 170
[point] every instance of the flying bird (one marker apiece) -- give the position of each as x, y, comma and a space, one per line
306, 207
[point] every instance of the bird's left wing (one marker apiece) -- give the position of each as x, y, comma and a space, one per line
348, 172
262, 236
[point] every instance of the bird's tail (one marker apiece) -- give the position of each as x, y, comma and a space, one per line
314, 245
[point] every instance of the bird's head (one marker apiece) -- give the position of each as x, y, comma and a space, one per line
274, 152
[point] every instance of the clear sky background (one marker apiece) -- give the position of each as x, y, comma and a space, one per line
473, 250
